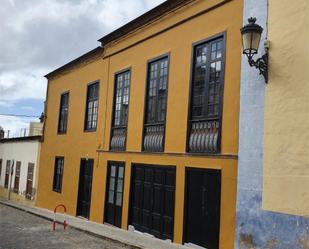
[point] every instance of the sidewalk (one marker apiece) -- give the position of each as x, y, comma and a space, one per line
133, 239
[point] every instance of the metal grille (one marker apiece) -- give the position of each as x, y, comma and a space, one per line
206, 98
120, 111
118, 141
156, 105
204, 136
154, 138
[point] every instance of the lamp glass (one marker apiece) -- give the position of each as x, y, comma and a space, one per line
251, 41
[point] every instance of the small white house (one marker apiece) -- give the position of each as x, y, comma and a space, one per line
19, 158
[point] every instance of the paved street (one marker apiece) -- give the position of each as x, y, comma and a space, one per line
20, 230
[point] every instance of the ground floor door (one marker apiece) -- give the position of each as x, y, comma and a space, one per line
202, 207
153, 199
29, 185
114, 193
84, 190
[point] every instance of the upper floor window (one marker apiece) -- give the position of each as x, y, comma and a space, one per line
120, 111
58, 174
155, 111
63, 113
92, 107
206, 97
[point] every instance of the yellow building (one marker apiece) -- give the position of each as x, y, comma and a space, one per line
273, 164
142, 132
286, 144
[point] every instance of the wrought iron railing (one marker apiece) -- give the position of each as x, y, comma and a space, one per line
204, 136
154, 138
118, 138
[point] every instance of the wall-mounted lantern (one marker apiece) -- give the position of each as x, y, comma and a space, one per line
251, 37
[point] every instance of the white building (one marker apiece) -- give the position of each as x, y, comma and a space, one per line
19, 159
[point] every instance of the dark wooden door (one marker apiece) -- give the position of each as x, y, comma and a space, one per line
7, 174
202, 207
153, 200
17, 177
29, 185
114, 193
84, 190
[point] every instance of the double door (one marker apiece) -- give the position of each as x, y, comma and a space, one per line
153, 200
202, 207
84, 189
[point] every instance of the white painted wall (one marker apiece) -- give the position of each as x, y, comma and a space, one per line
23, 151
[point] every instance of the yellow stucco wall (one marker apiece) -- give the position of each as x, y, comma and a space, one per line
77, 144
286, 138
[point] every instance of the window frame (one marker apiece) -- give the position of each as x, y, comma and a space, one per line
62, 132
86, 129
55, 189
113, 126
221, 104
152, 60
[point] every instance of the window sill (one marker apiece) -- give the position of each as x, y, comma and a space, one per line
61, 133
90, 130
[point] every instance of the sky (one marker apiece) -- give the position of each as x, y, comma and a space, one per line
38, 36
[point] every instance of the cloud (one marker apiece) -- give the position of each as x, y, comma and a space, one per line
15, 126
37, 36
20, 84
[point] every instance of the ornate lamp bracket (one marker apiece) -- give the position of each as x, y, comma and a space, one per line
261, 64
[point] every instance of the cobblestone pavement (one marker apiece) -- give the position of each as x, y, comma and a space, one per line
21, 230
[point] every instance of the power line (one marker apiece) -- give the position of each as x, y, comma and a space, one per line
18, 115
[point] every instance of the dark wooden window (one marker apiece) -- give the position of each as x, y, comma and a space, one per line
17, 177
114, 193
29, 186
156, 102
58, 174
7, 174
120, 111
63, 113
0, 168
206, 97
92, 107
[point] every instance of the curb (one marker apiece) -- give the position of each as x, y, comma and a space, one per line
130, 246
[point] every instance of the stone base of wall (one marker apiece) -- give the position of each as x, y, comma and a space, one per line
259, 229
21, 199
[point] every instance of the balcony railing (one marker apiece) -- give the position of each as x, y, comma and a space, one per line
118, 140
154, 138
204, 136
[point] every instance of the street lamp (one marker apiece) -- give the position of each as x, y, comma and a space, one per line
251, 37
